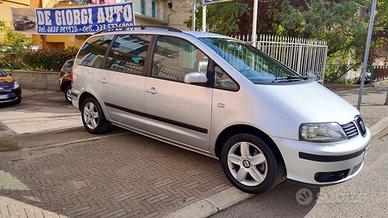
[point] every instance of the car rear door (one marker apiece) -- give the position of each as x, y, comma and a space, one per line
178, 111
125, 81
88, 72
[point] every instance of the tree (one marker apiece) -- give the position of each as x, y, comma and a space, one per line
11, 41
222, 18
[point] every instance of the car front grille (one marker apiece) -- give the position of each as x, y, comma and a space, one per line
350, 129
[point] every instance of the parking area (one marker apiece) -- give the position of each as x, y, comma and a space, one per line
127, 175
63, 170
40, 111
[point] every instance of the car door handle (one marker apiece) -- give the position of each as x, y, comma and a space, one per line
102, 80
152, 91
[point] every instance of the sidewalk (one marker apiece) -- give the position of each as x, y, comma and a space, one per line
372, 107
40, 111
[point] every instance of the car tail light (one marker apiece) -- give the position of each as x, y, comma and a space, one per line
71, 77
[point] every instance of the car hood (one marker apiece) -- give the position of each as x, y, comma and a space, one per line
6, 82
307, 102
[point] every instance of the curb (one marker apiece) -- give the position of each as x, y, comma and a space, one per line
232, 195
379, 126
212, 204
8, 140
72, 142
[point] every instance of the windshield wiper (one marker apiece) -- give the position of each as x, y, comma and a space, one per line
289, 78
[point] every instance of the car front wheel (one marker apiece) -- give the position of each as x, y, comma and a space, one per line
93, 117
249, 163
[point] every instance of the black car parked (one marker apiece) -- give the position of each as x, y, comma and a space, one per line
65, 78
10, 90
23, 23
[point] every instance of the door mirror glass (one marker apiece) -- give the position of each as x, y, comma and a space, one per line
195, 78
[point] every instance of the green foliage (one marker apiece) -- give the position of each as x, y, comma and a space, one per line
222, 18
342, 24
11, 41
48, 59
16, 53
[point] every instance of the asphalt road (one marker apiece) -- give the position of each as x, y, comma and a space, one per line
364, 196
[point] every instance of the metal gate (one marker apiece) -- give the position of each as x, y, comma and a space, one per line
304, 56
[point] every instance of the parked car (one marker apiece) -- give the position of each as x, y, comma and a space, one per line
65, 78
23, 23
223, 98
10, 90
368, 78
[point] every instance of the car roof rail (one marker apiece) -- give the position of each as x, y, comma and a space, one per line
112, 29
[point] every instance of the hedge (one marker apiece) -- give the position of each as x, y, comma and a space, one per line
41, 59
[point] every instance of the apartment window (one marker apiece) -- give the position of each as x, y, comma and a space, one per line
143, 7
154, 8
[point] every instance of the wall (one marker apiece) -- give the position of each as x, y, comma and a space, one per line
5, 9
37, 79
181, 12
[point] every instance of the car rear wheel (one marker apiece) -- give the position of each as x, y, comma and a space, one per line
93, 117
67, 91
249, 163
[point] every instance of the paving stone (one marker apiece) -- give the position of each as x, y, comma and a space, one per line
123, 176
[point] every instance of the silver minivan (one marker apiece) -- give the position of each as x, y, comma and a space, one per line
220, 97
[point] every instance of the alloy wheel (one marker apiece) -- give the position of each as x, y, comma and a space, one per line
91, 115
247, 163
68, 95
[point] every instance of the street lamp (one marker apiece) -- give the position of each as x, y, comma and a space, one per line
366, 55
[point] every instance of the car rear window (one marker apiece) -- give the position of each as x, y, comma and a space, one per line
93, 51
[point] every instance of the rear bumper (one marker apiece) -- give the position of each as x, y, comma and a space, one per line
323, 164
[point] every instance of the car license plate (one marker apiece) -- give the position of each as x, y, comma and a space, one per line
2, 97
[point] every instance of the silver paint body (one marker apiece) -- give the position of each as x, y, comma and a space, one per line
276, 110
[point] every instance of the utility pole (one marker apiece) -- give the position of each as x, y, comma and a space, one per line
204, 8
366, 55
254, 22
193, 16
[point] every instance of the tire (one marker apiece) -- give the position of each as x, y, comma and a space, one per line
67, 91
94, 125
260, 169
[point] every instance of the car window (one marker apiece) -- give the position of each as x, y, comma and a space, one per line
174, 58
93, 51
223, 81
128, 54
68, 64
2, 73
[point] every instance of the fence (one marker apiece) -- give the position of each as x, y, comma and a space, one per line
304, 56
380, 73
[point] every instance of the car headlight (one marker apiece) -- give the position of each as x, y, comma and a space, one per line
321, 132
16, 85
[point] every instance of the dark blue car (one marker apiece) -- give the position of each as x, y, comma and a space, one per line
10, 90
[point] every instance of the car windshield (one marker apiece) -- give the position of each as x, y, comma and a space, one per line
251, 62
2, 73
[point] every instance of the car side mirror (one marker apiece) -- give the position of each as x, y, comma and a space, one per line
195, 78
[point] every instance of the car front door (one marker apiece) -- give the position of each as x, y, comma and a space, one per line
178, 111
125, 81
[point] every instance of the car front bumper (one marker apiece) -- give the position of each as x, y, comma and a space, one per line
10, 97
323, 163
